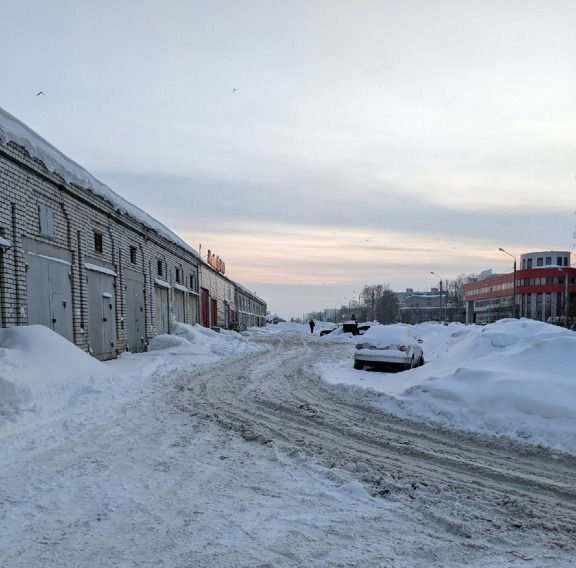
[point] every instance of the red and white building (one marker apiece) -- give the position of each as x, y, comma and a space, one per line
545, 290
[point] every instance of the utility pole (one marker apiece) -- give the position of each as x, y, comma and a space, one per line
440, 303
514, 285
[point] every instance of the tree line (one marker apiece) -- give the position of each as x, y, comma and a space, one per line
378, 302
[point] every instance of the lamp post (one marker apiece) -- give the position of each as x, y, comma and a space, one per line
440, 304
565, 296
514, 285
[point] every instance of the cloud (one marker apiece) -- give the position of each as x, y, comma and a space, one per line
197, 205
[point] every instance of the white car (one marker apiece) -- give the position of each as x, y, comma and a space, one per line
389, 346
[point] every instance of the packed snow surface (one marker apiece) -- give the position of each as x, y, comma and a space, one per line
99, 468
514, 378
12, 130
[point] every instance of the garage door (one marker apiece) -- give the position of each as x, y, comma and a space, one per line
49, 293
101, 314
162, 314
135, 312
179, 299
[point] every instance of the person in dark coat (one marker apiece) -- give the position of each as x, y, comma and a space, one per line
311, 324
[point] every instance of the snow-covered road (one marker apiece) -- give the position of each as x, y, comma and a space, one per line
255, 461
464, 492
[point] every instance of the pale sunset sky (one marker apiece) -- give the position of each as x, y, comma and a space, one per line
316, 146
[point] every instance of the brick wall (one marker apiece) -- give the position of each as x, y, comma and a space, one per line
26, 186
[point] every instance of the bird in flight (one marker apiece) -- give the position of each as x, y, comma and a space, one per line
40, 93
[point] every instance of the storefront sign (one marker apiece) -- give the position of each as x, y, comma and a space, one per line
216, 262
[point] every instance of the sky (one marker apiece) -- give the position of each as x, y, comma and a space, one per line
316, 146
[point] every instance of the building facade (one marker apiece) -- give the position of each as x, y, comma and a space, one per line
89, 266
251, 308
418, 307
545, 290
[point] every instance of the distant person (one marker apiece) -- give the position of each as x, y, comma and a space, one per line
353, 318
311, 324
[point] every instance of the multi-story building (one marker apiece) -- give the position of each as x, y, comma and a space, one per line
81, 260
545, 290
417, 307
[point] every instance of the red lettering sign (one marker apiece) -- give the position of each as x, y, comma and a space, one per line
216, 262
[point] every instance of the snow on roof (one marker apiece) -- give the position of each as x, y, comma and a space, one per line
13, 130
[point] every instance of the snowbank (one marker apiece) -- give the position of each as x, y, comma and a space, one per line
43, 375
201, 342
514, 378
40, 370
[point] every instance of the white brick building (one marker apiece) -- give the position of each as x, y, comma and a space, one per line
89, 265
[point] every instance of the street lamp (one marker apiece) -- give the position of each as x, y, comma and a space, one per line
514, 286
440, 305
565, 296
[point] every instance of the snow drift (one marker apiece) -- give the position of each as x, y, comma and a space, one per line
40, 370
514, 378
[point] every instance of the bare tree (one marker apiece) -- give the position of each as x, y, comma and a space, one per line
380, 302
387, 307
455, 291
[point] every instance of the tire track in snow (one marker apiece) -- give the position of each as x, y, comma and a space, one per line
274, 397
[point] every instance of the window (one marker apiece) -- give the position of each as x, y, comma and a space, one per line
159, 267
559, 261
529, 263
565, 261
98, 242
193, 284
133, 255
548, 260
46, 216
178, 275
539, 261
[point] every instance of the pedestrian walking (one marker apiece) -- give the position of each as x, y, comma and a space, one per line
311, 324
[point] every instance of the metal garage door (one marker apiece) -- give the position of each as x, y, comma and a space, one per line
162, 314
49, 293
193, 303
135, 312
179, 299
101, 314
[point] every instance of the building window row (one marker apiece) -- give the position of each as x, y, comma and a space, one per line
542, 281
544, 261
493, 288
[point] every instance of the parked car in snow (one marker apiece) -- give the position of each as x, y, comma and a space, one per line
347, 327
327, 331
389, 346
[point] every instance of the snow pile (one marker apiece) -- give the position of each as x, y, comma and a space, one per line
43, 374
12, 130
385, 335
40, 371
201, 342
514, 378
283, 327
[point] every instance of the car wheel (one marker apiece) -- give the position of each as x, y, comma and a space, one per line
421, 361
357, 365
